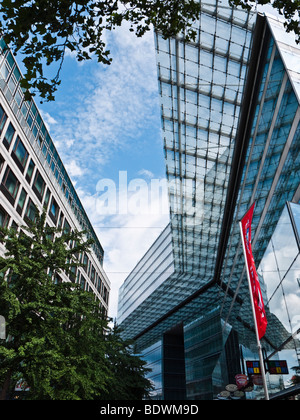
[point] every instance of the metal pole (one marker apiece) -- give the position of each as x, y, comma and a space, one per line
261, 359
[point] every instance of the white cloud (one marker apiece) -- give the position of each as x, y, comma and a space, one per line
74, 169
49, 120
112, 107
69, 142
123, 95
111, 110
125, 237
125, 244
146, 173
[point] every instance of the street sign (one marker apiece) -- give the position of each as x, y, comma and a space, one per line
274, 367
253, 367
277, 367
241, 380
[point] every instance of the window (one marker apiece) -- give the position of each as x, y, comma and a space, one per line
85, 262
47, 198
105, 294
39, 185
82, 282
44, 149
30, 210
99, 285
30, 170
21, 201
35, 130
24, 109
67, 227
5, 70
3, 118
57, 279
12, 84
10, 59
2, 161
4, 217
33, 109
18, 96
72, 273
61, 218
93, 272
29, 120
20, 154
10, 185
9, 135
54, 210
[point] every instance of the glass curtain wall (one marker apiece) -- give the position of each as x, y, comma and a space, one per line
280, 269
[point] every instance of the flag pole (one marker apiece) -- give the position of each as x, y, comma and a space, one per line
261, 359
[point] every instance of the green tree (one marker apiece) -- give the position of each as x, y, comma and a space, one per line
289, 9
58, 339
126, 365
43, 30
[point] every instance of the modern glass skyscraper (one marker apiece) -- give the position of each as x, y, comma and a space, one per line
230, 117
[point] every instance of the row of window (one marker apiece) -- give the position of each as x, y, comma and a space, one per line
10, 187
75, 275
21, 156
79, 278
10, 276
28, 112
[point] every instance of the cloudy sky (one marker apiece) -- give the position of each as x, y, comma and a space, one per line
105, 123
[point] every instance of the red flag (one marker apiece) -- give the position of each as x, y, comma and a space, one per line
260, 314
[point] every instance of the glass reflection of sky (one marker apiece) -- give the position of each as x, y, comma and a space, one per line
296, 216
280, 268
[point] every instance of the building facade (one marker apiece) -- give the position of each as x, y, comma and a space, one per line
230, 117
32, 176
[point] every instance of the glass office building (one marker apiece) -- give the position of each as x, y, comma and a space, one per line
230, 119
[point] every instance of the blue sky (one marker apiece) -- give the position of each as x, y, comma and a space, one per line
106, 119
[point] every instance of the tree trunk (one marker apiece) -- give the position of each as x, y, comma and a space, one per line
5, 386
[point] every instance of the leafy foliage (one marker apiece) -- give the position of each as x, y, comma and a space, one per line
59, 342
44, 30
288, 9
126, 365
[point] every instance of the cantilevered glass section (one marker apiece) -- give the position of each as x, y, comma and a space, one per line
201, 85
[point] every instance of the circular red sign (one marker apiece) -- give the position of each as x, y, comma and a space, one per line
241, 380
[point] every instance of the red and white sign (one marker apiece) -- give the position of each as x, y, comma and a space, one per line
260, 314
241, 380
